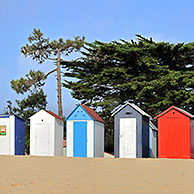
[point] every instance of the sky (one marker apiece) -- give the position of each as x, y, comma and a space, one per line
104, 20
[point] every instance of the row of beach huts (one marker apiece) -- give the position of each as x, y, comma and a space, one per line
135, 136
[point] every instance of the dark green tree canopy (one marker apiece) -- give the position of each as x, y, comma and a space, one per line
153, 75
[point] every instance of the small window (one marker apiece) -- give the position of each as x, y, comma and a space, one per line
173, 113
3, 130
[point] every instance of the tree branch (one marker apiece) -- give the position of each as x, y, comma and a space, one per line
63, 61
50, 72
52, 59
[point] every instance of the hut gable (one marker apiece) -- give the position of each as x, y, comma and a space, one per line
83, 112
79, 113
49, 112
92, 113
177, 109
136, 108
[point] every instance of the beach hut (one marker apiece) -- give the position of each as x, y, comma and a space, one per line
46, 134
84, 133
153, 141
12, 135
131, 132
175, 133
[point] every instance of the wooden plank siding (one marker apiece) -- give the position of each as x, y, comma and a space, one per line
129, 112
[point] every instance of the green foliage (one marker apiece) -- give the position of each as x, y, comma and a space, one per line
40, 48
32, 81
153, 75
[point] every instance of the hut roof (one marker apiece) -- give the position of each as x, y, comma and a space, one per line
54, 115
153, 126
117, 109
51, 113
92, 113
177, 109
89, 111
8, 115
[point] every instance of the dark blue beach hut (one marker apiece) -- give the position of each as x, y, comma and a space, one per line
12, 135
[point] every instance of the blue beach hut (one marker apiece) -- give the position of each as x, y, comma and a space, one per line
84, 133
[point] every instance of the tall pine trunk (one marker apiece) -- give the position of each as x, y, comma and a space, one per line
60, 111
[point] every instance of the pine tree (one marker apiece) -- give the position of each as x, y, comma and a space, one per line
41, 49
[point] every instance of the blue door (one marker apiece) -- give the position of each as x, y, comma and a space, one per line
80, 139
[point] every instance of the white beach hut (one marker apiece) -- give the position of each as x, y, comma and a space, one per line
84, 133
46, 134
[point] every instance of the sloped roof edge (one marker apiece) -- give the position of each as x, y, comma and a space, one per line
51, 113
92, 113
76, 109
176, 108
153, 126
134, 107
55, 115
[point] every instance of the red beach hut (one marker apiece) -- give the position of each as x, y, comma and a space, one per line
175, 133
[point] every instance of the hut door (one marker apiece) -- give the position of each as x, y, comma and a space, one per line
127, 148
80, 139
174, 138
4, 136
42, 139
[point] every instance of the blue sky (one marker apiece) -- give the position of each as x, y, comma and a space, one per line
103, 20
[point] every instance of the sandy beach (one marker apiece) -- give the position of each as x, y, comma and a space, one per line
25, 174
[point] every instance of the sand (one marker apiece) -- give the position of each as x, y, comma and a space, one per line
25, 174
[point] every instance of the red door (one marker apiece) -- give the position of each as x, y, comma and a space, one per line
174, 138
